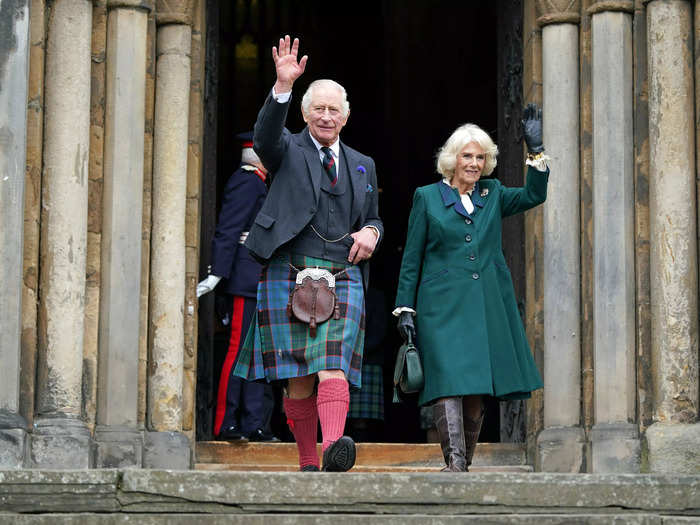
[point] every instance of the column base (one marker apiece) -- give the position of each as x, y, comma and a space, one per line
615, 448
166, 450
60, 443
13, 440
118, 447
561, 449
672, 448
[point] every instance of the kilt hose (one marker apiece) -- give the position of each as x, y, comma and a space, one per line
244, 404
278, 347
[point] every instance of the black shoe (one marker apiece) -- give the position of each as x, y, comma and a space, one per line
340, 456
232, 434
309, 468
260, 435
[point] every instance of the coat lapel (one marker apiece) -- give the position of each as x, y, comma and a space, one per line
358, 181
313, 161
477, 199
450, 198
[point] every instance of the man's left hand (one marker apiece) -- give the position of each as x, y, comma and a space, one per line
363, 247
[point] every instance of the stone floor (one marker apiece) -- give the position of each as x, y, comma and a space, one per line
202, 497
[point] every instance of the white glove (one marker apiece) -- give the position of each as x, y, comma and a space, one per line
207, 285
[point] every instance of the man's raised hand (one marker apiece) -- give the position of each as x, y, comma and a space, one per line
286, 65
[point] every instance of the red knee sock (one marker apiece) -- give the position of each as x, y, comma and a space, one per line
333, 401
302, 418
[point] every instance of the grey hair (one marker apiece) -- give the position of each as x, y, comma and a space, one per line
306, 99
463, 135
248, 156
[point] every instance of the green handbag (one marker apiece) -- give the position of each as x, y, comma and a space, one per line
408, 371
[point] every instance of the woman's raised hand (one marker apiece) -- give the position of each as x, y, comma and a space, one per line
532, 128
286, 65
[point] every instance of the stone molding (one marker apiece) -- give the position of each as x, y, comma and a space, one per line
645, 2
146, 5
558, 12
625, 6
174, 12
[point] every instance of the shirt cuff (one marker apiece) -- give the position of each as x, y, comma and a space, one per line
539, 164
282, 98
397, 311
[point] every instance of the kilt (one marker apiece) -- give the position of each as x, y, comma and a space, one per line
368, 402
277, 347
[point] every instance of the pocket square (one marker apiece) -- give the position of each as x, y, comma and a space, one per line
369, 189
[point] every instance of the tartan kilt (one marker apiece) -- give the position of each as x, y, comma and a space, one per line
277, 347
368, 402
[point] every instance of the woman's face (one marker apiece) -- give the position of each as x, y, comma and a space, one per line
470, 164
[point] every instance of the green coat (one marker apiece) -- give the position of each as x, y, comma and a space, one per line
453, 274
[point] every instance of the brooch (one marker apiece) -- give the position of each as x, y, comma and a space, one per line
361, 169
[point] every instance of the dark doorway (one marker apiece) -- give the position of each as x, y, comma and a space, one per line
414, 71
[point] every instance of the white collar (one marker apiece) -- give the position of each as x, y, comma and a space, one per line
335, 147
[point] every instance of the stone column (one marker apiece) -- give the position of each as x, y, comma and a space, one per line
117, 436
165, 444
560, 444
14, 62
61, 439
615, 435
674, 439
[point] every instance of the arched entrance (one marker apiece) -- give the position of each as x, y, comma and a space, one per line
414, 71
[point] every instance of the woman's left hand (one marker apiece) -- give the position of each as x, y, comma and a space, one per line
532, 128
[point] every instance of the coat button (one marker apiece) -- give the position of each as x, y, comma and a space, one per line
468, 221
475, 276
472, 257
468, 238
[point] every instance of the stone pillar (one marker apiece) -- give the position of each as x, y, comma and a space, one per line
165, 444
61, 439
14, 61
560, 444
615, 435
117, 436
674, 439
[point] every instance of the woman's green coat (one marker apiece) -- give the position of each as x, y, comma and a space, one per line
453, 274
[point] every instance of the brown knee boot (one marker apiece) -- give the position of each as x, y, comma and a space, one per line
447, 413
472, 428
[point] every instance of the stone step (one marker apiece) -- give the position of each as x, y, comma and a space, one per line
248, 467
371, 457
150, 497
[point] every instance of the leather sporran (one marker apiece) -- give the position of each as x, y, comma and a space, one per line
313, 300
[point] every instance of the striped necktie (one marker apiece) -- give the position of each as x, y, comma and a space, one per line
329, 165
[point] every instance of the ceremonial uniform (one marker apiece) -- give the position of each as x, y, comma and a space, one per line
242, 407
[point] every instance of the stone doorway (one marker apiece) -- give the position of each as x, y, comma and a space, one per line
414, 71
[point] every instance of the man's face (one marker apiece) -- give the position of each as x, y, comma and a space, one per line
325, 116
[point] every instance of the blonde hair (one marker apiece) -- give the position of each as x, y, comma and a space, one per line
463, 135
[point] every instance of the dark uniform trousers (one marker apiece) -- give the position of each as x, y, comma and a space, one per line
249, 402
243, 404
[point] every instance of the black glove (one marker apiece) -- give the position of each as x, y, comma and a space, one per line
532, 128
406, 327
